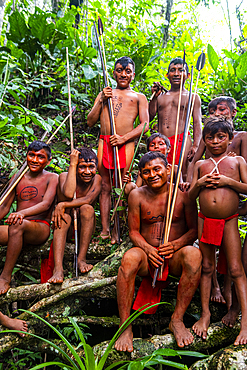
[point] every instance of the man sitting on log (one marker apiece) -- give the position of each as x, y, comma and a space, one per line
82, 179
147, 209
30, 224
127, 106
167, 106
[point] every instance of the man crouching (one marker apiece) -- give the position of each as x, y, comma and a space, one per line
147, 209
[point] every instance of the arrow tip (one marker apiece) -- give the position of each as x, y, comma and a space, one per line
201, 61
100, 26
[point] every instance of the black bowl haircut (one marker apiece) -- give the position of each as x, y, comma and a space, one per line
38, 145
215, 124
88, 155
150, 156
124, 61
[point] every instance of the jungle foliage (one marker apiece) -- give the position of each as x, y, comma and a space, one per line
33, 79
34, 92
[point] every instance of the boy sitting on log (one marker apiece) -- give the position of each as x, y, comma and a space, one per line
30, 224
82, 179
217, 181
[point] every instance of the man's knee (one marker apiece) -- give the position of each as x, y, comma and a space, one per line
131, 262
86, 212
106, 187
191, 258
66, 221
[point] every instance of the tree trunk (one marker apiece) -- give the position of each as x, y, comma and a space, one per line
169, 4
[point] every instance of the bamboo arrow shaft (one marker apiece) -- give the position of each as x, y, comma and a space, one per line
130, 169
72, 147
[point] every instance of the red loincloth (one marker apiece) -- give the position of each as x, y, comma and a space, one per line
178, 149
213, 229
108, 157
148, 294
47, 266
212, 233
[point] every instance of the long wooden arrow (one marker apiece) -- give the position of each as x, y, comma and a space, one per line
111, 121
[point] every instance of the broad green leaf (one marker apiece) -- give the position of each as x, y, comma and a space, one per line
141, 58
135, 366
231, 71
213, 58
242, 66
18, 28
39, 26
89, 73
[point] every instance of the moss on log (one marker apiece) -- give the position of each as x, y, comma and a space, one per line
219, 335
230, 358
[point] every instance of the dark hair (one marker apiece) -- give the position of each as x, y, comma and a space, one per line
178, 61
88, 155
124, 61
158, 134
214, 124
38, 145
149, 156
229, 101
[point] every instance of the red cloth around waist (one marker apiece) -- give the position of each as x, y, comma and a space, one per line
42, 221
148, 294
213, 229
178, 149
108, 156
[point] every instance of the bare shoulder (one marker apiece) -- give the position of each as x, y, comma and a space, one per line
50, 175
137, 194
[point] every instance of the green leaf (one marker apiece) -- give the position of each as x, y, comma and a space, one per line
39, 26
191, 353
165, 352
30, 277
136, 366
18, 28
231, 71
51, 106
213, 58
89, 73
141, 58
242, 66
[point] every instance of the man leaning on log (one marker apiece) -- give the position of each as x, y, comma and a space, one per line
147, 209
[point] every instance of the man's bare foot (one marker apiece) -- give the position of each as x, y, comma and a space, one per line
104, 236
230, 318
216, 295
14, 324
201, 326
4, 286
125, 341
241, 338
84, 267
182, 335
56, 278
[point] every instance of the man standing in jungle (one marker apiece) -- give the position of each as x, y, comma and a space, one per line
127, 106
167, 107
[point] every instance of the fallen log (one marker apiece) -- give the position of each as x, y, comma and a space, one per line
230, 358
218, 335
106, 268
